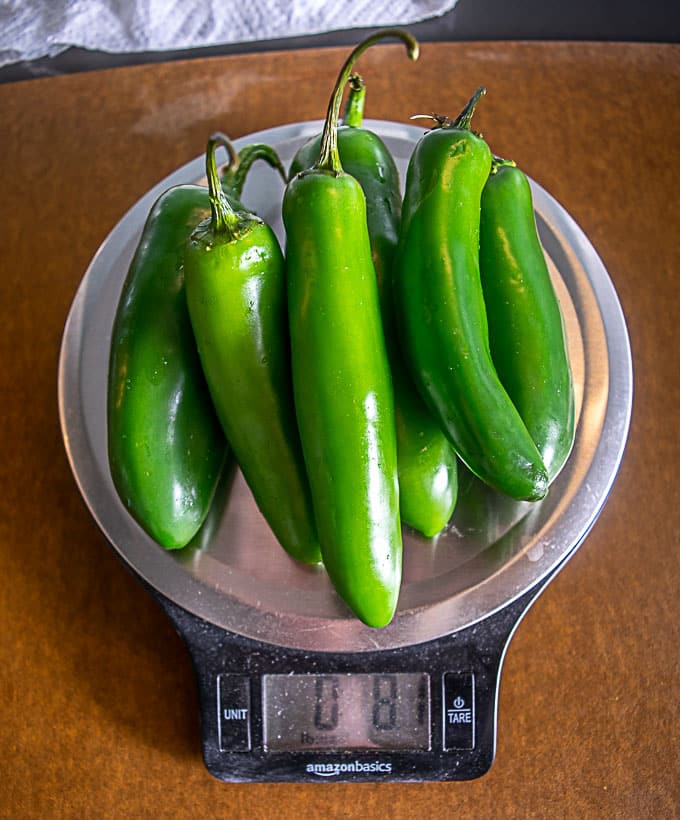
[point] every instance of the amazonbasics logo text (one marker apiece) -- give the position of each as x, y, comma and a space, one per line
334, 769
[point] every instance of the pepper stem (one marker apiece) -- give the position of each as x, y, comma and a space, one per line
329, 157
499, 162
462, 121
224, 218
354, 107
234, 176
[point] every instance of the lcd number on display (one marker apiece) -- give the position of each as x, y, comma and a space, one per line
348, 711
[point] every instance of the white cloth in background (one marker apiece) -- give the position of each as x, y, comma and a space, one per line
30, 29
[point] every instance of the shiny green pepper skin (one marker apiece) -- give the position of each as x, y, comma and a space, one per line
341, 375
526, 330
441, 313
166, 448
343, 391
426, 466
235, 285
426, 461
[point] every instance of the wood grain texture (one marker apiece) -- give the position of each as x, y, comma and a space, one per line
99, 716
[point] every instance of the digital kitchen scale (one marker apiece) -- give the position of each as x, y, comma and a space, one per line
292, 687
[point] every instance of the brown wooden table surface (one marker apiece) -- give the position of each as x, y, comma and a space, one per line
99, 715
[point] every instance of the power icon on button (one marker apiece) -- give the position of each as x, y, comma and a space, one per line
459, 710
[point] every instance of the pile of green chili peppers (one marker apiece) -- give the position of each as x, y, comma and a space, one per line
396, 342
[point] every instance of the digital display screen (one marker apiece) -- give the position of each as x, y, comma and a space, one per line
346, 711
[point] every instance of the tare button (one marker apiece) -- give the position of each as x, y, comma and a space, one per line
233, 705
459, 710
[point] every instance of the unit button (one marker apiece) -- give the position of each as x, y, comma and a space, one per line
459, 710
233, 704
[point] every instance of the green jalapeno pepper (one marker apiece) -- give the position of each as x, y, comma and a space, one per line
234, 272
426, 461
166, 447
441, 312
526, 330
343, 389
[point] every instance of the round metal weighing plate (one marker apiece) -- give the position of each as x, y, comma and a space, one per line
235, 574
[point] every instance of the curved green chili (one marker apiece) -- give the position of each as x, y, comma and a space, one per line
441, 312
526, 331
236, 296
166, 448
343, 389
